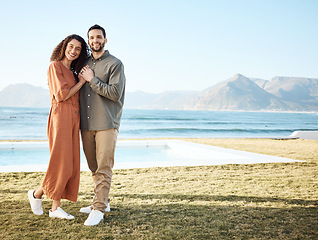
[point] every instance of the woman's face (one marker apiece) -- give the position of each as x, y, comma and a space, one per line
73, 50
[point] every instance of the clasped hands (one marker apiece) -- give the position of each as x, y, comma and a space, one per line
86, 74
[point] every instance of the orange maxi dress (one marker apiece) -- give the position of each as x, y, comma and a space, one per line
63, 174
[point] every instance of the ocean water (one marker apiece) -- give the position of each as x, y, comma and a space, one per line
31, 124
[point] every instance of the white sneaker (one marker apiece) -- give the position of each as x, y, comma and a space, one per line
36, 204
60, 213
94, 218
88, 209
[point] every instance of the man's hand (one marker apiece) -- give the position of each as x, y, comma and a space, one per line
86, 73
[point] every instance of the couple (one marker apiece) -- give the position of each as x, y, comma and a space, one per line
95, 85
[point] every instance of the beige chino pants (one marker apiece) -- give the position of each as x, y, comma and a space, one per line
99, 148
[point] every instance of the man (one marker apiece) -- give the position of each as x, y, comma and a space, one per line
101, 105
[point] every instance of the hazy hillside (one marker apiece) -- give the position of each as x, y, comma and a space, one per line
238, 93
138, 99
259, 82
300, 90
24, 95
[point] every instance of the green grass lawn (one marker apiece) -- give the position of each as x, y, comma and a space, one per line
255, 201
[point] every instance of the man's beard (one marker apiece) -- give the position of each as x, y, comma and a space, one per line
101, 47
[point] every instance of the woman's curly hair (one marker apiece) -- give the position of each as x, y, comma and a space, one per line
59, 52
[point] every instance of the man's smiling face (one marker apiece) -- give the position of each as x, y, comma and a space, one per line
96, 40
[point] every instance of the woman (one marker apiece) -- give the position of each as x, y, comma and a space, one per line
62, 177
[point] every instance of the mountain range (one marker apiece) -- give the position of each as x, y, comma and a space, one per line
238, 93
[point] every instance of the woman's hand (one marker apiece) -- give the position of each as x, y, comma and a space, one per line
76, 87
81, 79
86, 73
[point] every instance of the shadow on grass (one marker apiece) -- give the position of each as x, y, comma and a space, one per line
228, 198
171, 219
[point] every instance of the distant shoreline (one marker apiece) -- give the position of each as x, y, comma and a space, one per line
164, 138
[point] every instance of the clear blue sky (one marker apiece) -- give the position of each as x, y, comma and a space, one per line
166, 44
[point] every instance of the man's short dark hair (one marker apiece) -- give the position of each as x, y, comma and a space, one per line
96, 26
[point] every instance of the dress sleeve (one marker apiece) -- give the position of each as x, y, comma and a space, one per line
57, 84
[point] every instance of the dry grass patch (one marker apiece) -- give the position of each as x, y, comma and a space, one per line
254, 201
